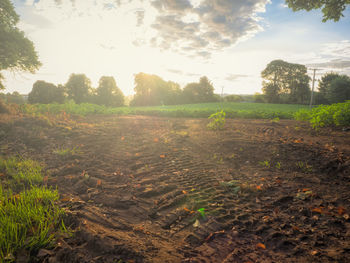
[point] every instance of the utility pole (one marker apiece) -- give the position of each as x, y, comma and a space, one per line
313, 86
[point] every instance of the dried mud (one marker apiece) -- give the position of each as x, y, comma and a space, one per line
134, 188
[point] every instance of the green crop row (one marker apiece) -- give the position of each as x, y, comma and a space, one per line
204, 110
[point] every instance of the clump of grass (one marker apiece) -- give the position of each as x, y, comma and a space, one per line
304, 167
29, 215
66, 152
21, 173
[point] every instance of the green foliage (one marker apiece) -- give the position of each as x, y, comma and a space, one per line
331, 9
79, 88
3, 108
16, 51
29, 215
302, 115
217, 120
108, 93
281, 77
44, 92
203, 110
200, 92
15, 97
339, 89
21, 173
334, 88
152, 90
265, 164
233, 98
67, 152
327, 115
304, 167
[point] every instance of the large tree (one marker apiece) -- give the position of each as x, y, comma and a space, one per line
45, 92
79, 88
203, 91
335, 88
331, 9
281, 77
108, 93
152, 90
17, 52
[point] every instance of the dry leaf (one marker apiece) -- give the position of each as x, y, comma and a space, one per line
260, 245
99, 182
317, 210
341, 210
162, 156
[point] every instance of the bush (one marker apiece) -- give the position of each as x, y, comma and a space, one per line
3, 108
327, 115
218, 120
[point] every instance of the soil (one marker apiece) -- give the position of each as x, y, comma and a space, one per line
148, 189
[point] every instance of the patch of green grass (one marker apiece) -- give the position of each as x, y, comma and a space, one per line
66, 152
20, 173
29, 215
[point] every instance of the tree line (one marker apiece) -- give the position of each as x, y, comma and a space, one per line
285, 82
150, 90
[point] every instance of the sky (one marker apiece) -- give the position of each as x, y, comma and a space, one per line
229, 41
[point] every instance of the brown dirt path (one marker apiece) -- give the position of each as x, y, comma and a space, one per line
271, 192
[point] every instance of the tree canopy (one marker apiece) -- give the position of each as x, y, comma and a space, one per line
44, 92
108, 93
334, 88
203, 91
79, 88
16, 51
331, 9
152, 90
281, 77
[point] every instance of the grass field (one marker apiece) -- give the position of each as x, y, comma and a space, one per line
204, 110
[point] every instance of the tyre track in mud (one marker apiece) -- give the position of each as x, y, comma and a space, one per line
135, 186
153, 190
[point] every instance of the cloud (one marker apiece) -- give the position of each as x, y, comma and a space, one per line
213, 25
194, 28
339, 49
233, 77
140, 16
333, 64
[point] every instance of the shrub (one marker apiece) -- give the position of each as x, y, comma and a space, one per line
327, 115
218, 120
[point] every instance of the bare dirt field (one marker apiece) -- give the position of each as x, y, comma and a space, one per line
147, 189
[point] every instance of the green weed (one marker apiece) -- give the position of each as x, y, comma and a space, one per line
304, 167
67, 152
265, 164
217, 120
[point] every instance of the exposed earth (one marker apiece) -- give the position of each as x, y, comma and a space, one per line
147, 189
